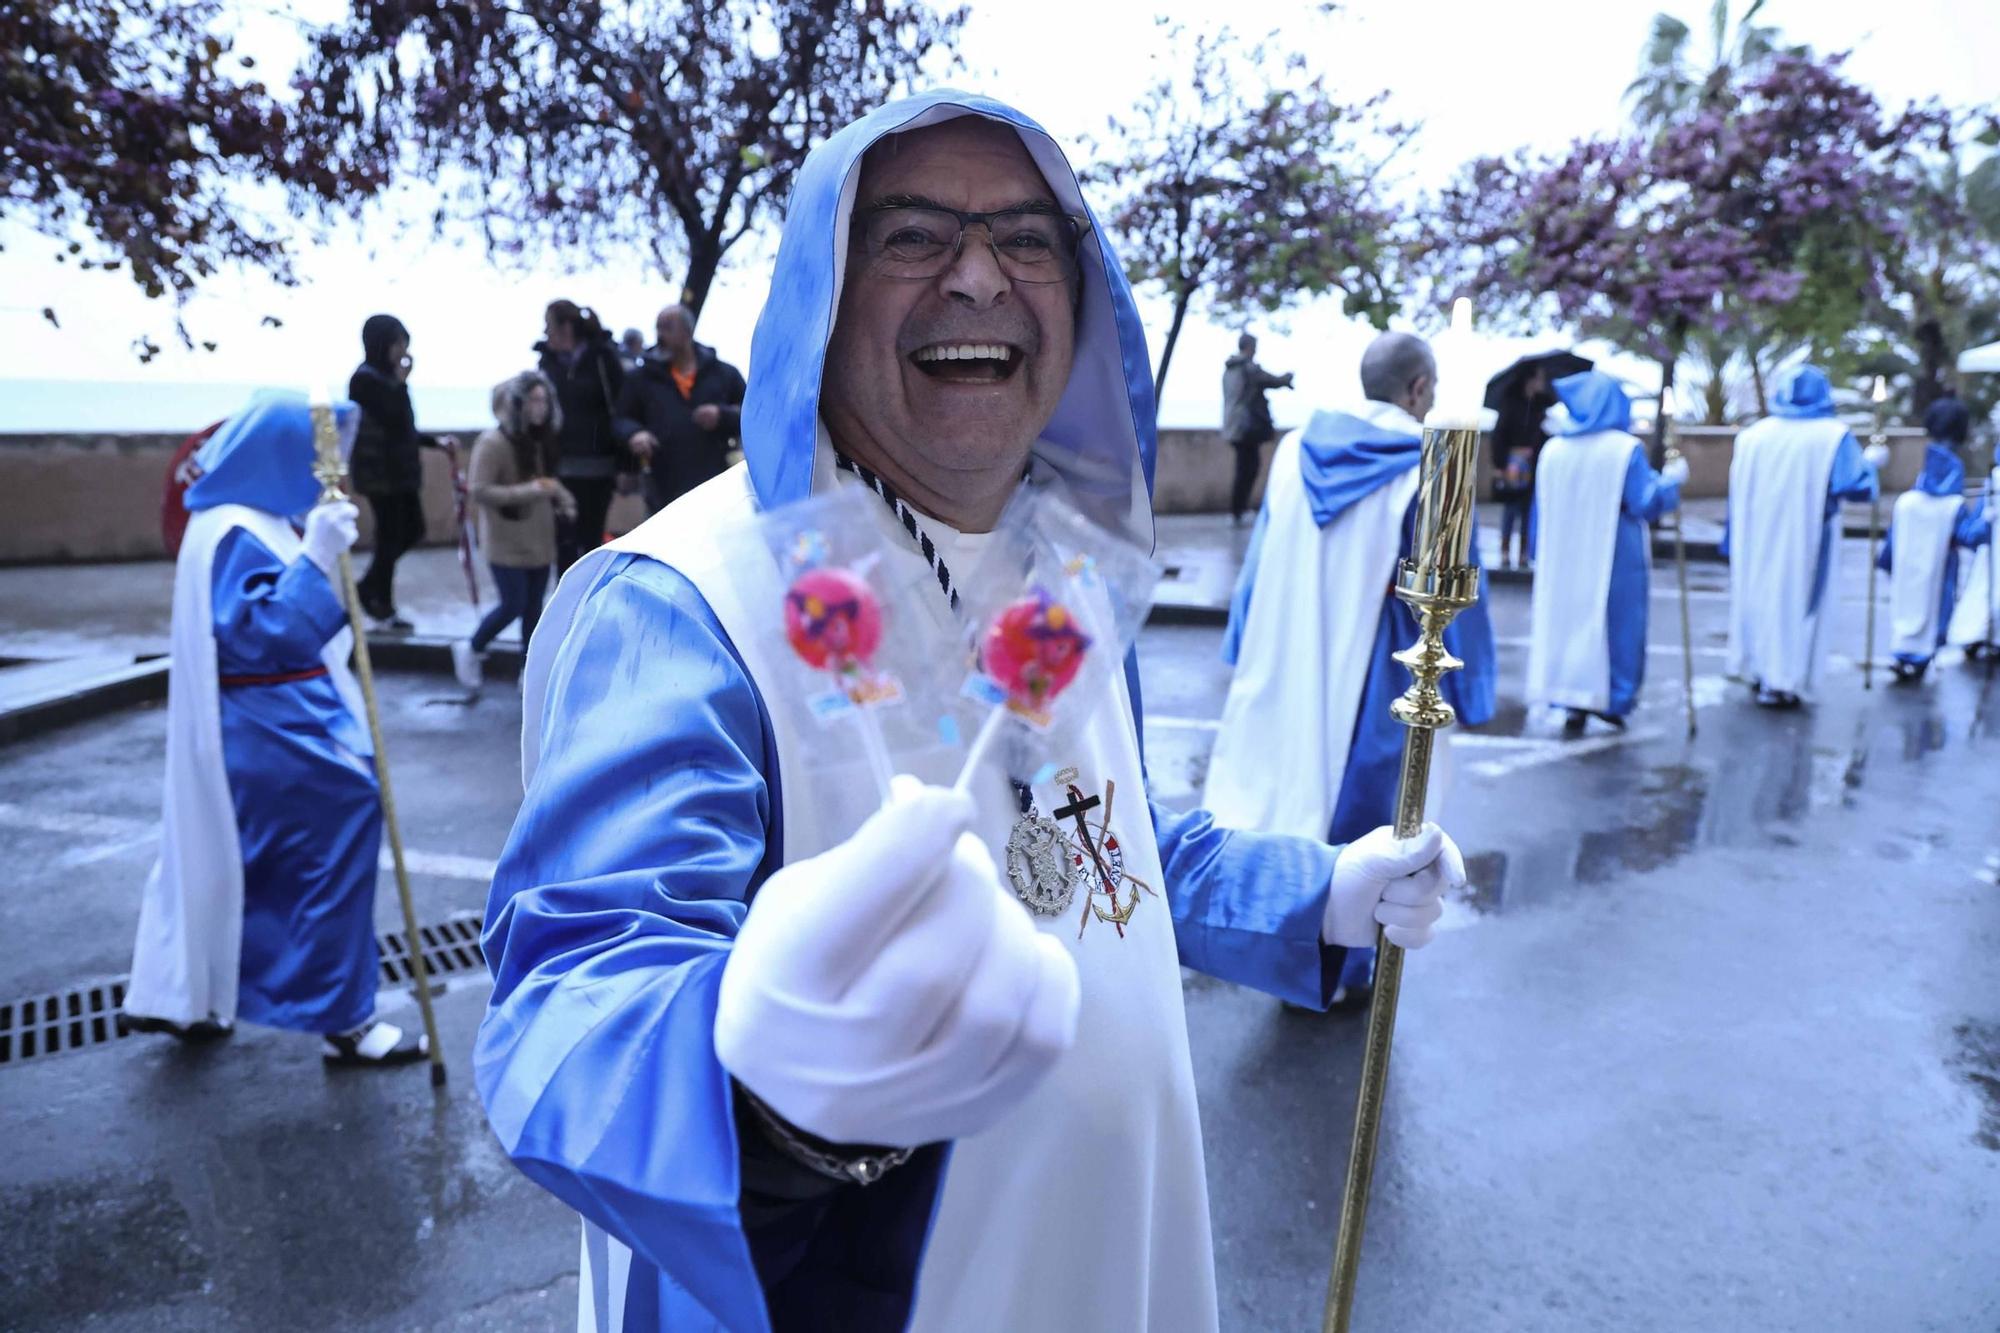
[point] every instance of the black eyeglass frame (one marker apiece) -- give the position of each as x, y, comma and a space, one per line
1070, 261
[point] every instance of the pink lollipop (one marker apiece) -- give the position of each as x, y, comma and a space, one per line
834, 623
1034, 648
832, 619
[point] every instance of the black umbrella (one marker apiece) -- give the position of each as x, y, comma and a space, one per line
1556, 364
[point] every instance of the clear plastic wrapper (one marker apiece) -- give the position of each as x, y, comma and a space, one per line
1051, 611
845, 623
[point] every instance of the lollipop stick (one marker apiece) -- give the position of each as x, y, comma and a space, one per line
988, 731
877, 750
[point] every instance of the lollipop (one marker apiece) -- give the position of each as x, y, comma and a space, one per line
1034, 648
1032, 651
833, 621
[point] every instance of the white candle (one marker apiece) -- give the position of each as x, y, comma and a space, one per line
1459, 404
1667, 403
1881, 393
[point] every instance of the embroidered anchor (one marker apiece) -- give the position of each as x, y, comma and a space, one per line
1099, 857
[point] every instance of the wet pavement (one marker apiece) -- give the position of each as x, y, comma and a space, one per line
1711, 1042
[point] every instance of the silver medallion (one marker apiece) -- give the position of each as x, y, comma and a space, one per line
1039, 864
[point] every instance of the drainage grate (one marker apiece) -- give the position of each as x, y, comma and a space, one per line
449, 946
66, 1021
87, 1015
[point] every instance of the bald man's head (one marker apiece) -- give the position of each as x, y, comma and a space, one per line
1399, 368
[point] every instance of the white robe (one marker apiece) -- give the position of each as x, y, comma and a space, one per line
1579, 488
1778, 523
1923, 525
1112, 1132
1288, 721
186, 958
1977, 614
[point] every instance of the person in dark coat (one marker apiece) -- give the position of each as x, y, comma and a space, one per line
386, 467
1246, 418
1518, 436
581, 359
680, 410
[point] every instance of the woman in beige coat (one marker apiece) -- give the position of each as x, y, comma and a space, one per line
519, 500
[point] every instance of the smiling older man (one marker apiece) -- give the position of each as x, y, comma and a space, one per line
796, 1076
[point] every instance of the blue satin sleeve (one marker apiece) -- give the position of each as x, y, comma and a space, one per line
1646, 496
1853, 476
651, 819
1247, 907
269, 616
1974, 529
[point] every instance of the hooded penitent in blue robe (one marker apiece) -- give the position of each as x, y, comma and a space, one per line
1344, 458
297, 760
654, 812
1944, 477
1596, 403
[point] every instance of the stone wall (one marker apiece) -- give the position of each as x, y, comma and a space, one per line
97, 497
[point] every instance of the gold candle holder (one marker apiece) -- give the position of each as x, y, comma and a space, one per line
1437, 582
329, 469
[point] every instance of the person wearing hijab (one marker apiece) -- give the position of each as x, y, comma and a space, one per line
804, 1062
1790, 473
386, 468
1930, 524
1595, 497
262, 903
1307, 745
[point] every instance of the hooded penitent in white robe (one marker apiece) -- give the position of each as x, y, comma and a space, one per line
1932, 524
663, 788
1975, 617
1595, 496
1787, 479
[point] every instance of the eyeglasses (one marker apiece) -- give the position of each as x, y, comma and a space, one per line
923, 241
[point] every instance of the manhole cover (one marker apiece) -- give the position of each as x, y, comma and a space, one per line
85, 1015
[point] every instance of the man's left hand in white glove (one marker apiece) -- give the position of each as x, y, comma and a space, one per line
1398, 883
330, 530
1877, 456
1675, 473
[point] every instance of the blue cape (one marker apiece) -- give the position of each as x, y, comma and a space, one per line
1596, 402
1101, 439
263, 457
1802, 392
1944, 471
1343, 458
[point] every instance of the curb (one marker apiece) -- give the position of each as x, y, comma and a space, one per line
141, 682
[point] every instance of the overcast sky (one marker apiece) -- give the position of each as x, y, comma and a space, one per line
1482, 78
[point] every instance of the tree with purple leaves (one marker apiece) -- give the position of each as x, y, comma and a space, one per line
672, 129
1766, 214
126, 123
1244, 186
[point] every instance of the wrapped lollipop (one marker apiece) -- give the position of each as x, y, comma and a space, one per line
1031, 651
854, 658
1054, 606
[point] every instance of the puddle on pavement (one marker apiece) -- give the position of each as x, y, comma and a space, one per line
1977, 1061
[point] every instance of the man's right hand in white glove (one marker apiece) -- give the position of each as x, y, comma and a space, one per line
1675, 472
1397, 883
889, 991
1876, 456
330, 530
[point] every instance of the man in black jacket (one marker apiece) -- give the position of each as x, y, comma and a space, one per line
680, 410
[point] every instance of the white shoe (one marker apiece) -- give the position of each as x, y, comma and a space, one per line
465, 664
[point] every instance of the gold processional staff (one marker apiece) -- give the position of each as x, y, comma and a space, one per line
1438, 581
330, 466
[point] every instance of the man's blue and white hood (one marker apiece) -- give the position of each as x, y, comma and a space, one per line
1101, 441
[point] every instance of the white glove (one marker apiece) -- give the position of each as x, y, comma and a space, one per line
330, 530
1675, 473
889, 991
1877, 456
1394, 881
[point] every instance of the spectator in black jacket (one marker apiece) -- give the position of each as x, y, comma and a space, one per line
581, 360
680, 410
386, 468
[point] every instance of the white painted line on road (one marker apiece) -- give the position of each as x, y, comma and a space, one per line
1660, 649
113, 835
1550, 752
1183, 723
